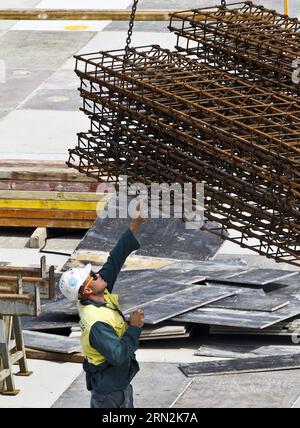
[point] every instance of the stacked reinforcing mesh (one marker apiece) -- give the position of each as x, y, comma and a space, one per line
253, 42
163, 117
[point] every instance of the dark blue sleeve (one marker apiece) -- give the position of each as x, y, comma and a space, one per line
111, 269
115, 349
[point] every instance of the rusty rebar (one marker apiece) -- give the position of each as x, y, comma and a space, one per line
162, 116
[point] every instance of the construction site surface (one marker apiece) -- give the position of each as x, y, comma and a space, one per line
207, 92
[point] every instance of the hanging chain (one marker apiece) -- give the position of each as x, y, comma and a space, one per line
223, 3
130, 30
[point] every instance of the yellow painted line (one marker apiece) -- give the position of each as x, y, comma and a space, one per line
55, 196
51, 205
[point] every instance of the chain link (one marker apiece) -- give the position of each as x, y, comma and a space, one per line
223, 3
130, 30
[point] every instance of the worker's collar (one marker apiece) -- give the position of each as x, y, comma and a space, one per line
92, 302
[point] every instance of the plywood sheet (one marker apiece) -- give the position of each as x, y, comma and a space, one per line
173, 304
159, 238
260, 276
241, 319
236, 349
251, 300
242, 365
51, 342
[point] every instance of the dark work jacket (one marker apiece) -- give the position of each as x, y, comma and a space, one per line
120, 365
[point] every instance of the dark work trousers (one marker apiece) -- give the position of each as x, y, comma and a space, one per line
115, 400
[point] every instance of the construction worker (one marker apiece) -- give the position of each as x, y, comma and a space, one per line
108, 341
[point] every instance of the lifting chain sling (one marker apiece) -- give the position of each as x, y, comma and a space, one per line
130, 30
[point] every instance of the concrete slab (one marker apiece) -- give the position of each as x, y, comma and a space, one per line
29, 134
19, 84
109, 40
40, 390
12, 4
59, 25
55, 99
83, 4
144, 27
255, 390
170, 351
9, 239
40, 50
4, 113
30, 257
12, 238
61, 79
6, 25
296, 404
157, 385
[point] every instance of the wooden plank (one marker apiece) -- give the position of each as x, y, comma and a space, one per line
236, 318
27, 288
173, 304
133, 262
48, 214
35, 173
54, 196
242, 365
48, 186
33, 276
9, 279
66, 224
50, 205
15, 297
25, 271
96, 14
54, 356
78, 15
10, 304
13, 163
38, 238
3, 375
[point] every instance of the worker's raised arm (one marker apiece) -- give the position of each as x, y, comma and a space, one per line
117, 257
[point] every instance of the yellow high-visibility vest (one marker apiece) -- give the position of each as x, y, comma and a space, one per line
90, 314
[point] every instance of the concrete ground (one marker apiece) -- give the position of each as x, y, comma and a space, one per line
39, 119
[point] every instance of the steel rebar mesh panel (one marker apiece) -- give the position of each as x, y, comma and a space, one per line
170, 167
208, 119
248, 39
256, 125
253, 185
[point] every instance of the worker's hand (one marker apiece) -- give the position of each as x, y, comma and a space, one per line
137, 318
140, 217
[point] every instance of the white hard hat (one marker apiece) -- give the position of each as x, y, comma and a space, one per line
71, 281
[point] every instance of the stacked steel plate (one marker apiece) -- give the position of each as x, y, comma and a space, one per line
161, 116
